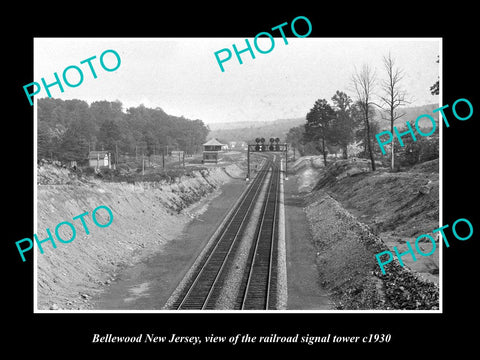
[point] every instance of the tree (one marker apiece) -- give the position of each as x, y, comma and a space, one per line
364, 83
360, 131
295, 137
435, 88
68, 129
108, 135
80, 120
343, 126
394, 95
74, 145
317, 128
44, 141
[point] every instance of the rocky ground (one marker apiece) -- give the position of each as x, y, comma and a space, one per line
354, 214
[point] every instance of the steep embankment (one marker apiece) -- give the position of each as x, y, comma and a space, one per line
146, 215
347, 265
405, 203
354, 214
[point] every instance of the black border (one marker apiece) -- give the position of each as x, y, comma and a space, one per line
430, 331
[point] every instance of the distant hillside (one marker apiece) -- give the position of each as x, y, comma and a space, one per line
411, 114
247, 131
236, 125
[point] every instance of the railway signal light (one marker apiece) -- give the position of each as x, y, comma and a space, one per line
271, 147
274, 145
260, 146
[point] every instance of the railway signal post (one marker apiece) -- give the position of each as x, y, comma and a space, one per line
260, 146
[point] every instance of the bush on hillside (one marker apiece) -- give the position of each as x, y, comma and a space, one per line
416, 152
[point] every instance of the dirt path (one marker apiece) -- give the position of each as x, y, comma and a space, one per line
304, 291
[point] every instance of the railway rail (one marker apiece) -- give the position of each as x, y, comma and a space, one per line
258, 284
259, 289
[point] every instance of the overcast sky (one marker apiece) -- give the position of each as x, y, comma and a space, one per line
181, 75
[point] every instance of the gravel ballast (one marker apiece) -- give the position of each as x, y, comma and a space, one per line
347, 265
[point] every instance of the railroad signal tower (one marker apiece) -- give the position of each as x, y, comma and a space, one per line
260, 146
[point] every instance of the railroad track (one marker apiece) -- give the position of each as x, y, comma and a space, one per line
258, 290
258, 282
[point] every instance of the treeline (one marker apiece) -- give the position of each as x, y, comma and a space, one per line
338, 127
69, 129
335, 127
350, 126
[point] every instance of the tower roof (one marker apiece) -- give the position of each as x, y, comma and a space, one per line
213, 142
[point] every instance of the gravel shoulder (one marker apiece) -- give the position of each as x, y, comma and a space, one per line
304, 289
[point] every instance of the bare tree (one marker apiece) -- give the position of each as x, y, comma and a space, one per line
435, 88
394, 97
364, 83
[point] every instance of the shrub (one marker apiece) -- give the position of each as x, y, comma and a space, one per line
415, 152
89, 171
429, 149
311, 148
